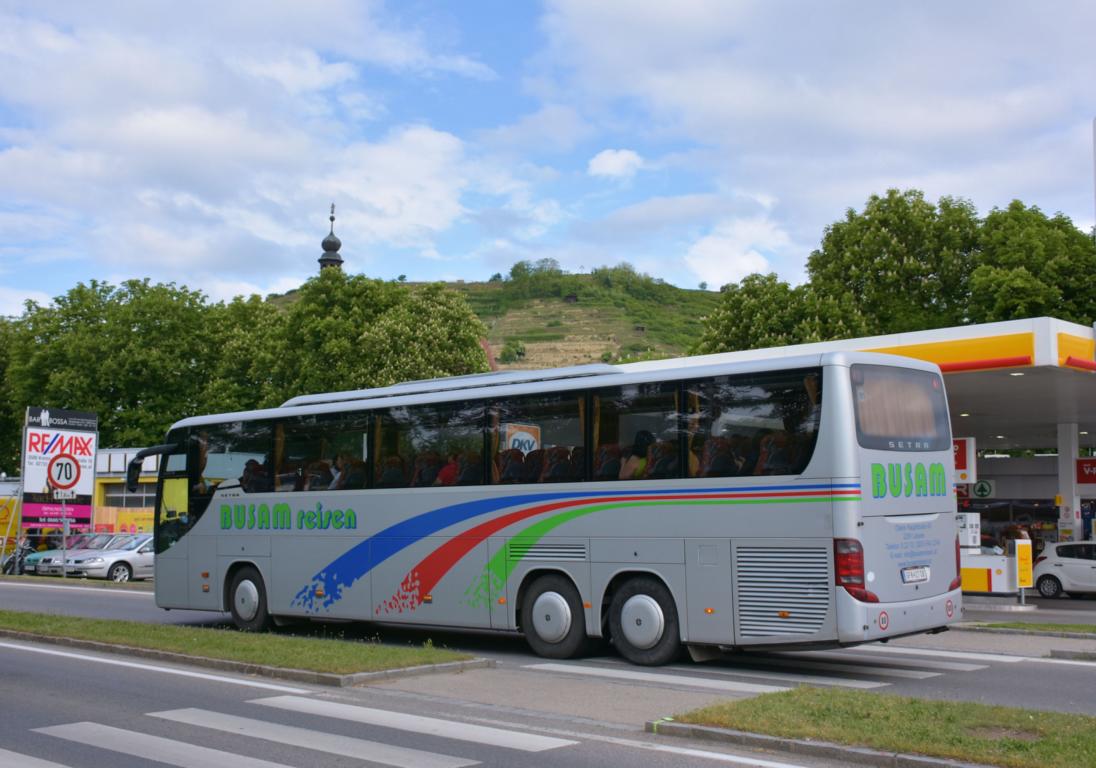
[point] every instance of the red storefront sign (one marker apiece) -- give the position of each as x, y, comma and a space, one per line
1086, 471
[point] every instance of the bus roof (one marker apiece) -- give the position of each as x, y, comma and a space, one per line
518, 383
471, 381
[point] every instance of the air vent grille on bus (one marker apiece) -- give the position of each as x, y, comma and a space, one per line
782, 590
519, 550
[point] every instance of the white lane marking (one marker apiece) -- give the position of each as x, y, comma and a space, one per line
155, 668
161, 750
360, 749
942, 666
104, 590
998, 657
649, 677
402, 721
721, 757
1067, 662
908, 674
16, 760
787, 677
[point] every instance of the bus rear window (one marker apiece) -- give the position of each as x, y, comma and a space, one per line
899, 409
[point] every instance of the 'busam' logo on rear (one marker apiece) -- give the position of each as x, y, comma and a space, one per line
909, 479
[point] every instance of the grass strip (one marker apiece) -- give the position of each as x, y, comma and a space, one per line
1042, 627
78, 581
333, 654
1002, 736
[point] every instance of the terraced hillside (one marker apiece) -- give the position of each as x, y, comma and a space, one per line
612, 315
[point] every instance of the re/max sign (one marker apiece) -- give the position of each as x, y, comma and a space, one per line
46, 443
909, 479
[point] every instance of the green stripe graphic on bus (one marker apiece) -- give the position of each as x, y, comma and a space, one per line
909, 479
499, 568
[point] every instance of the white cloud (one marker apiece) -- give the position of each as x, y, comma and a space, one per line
735, 249
12, 300
615, 164
554, 126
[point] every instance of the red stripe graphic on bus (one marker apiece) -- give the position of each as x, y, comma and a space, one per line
423, 577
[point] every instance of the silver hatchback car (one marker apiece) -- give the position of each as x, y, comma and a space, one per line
128, 559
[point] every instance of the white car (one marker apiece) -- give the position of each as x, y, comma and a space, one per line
1066, 567
130, 560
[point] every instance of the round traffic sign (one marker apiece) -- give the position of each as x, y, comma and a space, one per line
63, 471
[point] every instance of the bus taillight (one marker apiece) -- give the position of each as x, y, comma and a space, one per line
958, 580
848, 561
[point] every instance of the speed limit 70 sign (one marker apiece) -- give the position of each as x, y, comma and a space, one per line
63, 471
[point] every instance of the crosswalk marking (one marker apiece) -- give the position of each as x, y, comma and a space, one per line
177, 753
335, 744
871, 664
730, 686
855, 669
769, 674
450, 729
16, 760
890, 650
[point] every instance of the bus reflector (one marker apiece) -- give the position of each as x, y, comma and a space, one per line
709, 611
848, 567
502, 601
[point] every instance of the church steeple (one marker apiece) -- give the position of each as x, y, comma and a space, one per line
331, 246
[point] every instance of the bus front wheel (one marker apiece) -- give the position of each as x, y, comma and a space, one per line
249, 601
643, 622
553, 619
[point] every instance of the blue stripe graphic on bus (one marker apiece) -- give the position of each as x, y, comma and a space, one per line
326, 586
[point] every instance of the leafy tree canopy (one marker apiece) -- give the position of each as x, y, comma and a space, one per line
143, 355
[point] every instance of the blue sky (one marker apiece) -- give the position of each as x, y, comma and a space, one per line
700, 140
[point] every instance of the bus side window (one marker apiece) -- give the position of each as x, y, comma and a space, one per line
538, 439
636, 432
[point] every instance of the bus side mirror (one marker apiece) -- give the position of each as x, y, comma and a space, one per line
133, 472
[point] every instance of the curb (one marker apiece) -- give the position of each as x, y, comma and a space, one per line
1073, 655
824, 749
260, 670
1029, 632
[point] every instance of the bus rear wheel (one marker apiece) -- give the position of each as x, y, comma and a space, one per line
553, 619
643, 622
248, 605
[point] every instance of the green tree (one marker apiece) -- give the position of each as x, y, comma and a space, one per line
348, 332
761, 311
905, 262
244, 335
1032, 265
138, 355
430, 332
10, 422
764, 311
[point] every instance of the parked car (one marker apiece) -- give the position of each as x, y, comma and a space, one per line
30, 563
1066, 568
49, 564
131, 560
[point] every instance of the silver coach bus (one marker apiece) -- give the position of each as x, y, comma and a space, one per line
795, 502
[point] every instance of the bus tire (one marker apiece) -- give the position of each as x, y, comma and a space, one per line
248, 604
553, 619
643, 622
1049, 586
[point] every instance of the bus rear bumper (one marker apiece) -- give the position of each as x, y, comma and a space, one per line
859, 622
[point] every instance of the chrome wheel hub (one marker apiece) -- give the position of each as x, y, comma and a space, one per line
642, 622
246, 600
551, 617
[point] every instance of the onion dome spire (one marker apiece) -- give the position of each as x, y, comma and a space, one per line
331, 245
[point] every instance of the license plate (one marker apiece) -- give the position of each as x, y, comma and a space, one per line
915, 575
